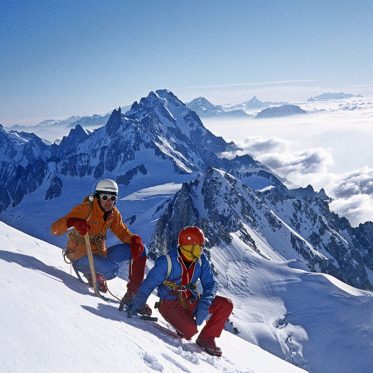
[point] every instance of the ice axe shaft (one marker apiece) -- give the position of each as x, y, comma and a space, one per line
91, 264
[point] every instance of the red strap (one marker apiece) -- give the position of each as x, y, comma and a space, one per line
186, 278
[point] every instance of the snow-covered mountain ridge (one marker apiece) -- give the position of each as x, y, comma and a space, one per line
294, 224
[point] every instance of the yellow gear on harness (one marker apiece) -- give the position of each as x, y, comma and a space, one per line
178, 291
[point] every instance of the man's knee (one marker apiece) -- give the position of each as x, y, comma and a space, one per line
110, 271
224, 304
189, 330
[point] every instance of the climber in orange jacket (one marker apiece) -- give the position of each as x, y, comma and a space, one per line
95, 216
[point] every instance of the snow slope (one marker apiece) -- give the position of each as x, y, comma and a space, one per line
52, 323
311, 319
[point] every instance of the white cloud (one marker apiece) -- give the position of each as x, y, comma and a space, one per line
355, 183
257, 145
357, 208
276, 153
352, 192
311, 161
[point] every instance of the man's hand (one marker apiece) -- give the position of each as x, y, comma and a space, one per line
79, 224
131, 311
201, 312
137, 246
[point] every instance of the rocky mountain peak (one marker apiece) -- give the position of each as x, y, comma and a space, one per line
115, 121
76, 136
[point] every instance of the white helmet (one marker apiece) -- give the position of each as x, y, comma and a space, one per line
107, 186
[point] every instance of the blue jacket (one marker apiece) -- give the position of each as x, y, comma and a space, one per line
158, 274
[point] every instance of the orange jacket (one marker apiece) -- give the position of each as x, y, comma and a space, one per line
93, 213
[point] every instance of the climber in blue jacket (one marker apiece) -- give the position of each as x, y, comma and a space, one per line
176, 274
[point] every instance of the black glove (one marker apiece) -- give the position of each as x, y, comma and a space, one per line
131, 311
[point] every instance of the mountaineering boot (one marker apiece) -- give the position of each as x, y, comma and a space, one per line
128, 297
145, 310
208, 345
101, 282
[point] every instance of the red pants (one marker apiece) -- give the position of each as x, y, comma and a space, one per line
183, 321
136, 274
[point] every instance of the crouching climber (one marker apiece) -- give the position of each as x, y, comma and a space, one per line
95, 216
176, 274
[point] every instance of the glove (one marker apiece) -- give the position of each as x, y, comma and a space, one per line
131, 310
137, 247
201, 312
79, 224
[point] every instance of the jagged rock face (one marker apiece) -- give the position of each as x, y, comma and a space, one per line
129, 175
363, 238
218, 203
55, 188
23, 165
70, 143
293, 225
184, 123
170, 224
329, 234
187, 209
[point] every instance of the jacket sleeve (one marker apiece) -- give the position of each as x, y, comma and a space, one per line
208, 282
119, 228
155, 277
80, 211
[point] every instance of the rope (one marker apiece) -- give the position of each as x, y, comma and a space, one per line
113, 295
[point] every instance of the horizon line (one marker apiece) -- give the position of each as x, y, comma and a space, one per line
275, 82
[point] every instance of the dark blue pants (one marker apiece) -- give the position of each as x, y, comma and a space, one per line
109, 265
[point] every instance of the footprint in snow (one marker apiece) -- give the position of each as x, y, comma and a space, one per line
152, 362
176, 363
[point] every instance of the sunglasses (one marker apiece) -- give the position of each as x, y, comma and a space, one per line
105, 197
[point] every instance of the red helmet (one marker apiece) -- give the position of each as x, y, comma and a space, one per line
191, 236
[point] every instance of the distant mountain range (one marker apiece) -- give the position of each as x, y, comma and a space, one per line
205, 109
51, 129
332, 96
280, 111
253, 104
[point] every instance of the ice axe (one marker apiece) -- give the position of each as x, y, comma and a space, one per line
91, 264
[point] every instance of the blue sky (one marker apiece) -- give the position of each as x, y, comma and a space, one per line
60, 58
